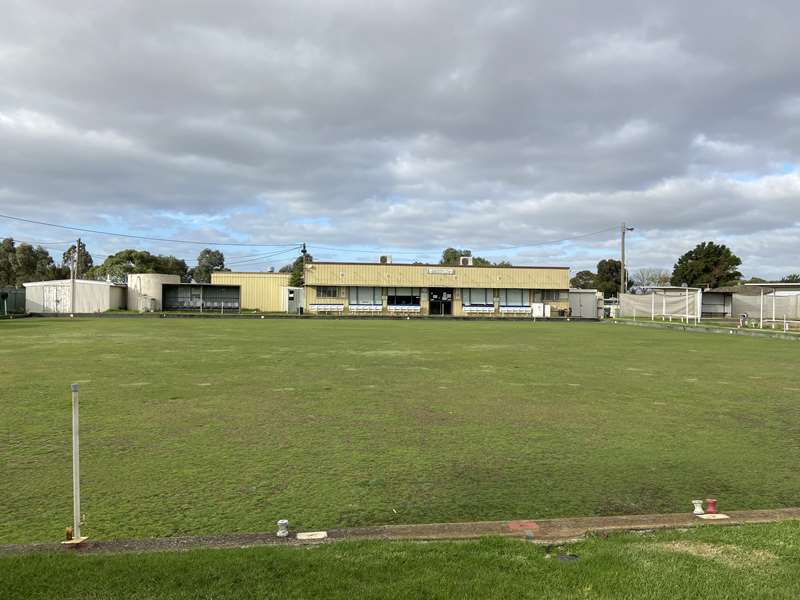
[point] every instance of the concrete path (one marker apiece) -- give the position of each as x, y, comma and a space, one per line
544, 531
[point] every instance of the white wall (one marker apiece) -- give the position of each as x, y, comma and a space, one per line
144, 290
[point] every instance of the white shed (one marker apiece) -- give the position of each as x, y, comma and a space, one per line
56, 297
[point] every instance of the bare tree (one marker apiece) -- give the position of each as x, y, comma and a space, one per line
647, 277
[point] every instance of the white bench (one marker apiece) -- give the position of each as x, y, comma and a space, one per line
521, 310
478, 309
326, 307
365, 308
404, 308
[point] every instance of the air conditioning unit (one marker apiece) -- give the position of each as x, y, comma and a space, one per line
386, 259
465, 261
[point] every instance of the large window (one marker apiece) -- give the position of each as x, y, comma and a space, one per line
477, 297
403, 296
327, 291
554, 295
365, 295
514, 298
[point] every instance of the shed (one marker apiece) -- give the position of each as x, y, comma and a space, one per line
585, 304
57, 296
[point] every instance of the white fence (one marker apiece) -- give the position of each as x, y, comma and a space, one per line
666, 305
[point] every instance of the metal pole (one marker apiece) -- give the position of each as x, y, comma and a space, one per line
761, 314
622, 261
72, 279
76, 466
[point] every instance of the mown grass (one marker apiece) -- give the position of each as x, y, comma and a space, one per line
756, 561
196, 426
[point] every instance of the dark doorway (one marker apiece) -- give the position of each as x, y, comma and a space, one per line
440, 301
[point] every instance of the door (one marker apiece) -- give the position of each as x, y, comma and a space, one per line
440, 301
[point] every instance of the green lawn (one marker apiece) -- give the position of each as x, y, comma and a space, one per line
198, 426
756, 561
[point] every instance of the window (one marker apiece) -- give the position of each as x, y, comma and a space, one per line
514, 298
365, 295
552, 295
477, 297
403, 296
327, 291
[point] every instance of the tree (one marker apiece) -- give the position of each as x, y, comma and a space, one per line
452, 257
708, 264
208, 261
118, 266
85, 261
584, 280
791, 278
755, 280
608, 278
651, 277
7, 257
297, 278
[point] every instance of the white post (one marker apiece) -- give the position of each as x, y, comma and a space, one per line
699, 307
761, 314
653, 306
773, 308
76, 466
687, 306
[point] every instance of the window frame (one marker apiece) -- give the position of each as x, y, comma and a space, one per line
327, 288
524, 297
375, 295
392, 296
467, 293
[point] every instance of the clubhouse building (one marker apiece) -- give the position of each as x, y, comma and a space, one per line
391, 289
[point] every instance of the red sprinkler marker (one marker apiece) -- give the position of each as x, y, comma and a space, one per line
711, 506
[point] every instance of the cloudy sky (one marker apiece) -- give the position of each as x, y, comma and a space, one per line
406, 126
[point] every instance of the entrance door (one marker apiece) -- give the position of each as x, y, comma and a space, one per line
440, 301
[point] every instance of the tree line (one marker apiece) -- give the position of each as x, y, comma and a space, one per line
22, 263
707, 265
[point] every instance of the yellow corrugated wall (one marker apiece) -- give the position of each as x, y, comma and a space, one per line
265, 292
376, 274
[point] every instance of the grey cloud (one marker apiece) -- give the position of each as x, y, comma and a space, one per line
409, 125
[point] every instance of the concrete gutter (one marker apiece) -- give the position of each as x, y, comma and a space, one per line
544, 531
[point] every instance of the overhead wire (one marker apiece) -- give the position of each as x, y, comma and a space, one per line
143, 237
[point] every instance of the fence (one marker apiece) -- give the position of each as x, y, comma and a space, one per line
15, 302
776, 307
662, 305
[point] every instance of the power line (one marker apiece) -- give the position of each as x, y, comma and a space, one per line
142, 237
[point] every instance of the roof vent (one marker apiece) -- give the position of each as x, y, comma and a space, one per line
386, 259
465, 261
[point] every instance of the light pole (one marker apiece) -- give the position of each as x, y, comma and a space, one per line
623, 279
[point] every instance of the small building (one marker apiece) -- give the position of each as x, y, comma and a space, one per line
58, 296
586, 304
720, 303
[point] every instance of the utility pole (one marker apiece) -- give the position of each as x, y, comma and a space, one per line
623, 279
73, 277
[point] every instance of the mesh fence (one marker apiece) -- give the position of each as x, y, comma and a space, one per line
785, 306
666, 304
